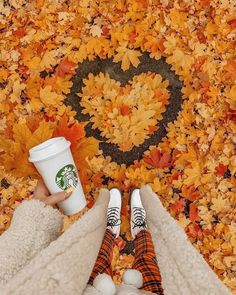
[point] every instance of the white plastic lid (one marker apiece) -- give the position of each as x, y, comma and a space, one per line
48, 148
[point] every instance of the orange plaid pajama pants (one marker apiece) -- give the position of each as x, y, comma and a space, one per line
145, 261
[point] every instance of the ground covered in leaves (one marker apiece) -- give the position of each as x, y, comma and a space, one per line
192, 166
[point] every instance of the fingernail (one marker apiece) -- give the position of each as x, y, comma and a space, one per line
69, 191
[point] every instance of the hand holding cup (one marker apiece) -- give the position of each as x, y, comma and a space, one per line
42, 193
54, 161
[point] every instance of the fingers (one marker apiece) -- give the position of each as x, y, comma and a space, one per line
42, 193
56, 198
41, 190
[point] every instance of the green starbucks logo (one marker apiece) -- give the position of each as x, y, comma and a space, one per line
67, 177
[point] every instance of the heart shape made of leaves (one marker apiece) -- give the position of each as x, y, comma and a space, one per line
126, 115
115, 72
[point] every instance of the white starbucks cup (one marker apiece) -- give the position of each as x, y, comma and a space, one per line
54, 161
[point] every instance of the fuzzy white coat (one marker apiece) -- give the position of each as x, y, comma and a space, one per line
36, 259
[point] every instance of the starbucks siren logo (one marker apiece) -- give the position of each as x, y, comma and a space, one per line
67, 177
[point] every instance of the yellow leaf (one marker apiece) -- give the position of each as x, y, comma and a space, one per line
218, 204
34, 63
35, 104
49, 59
183, 222
231, 97
16, 91
5, 144
158, 186
189, 156
180, 59
21, 133
211, 29
193, 175
42, 133
4, 107
127, 57
3, 75
64, 84
50, 98
24, 168
15, 160
40, 3
96, 31
79, 55
33, 92
87, 148
178, 18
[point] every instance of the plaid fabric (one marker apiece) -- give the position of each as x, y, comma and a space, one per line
145, 261
103, 262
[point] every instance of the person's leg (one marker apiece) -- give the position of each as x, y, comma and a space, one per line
104, 259
103, 262
145, 257
145, 261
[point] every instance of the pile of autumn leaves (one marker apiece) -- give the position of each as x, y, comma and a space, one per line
192, 170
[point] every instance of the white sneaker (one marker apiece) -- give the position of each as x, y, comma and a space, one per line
138, 213
113, 212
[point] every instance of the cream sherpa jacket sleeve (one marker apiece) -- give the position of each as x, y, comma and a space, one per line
64, 267
184, 271
34, 226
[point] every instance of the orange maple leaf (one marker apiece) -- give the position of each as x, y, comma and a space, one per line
194, 231
152, 129
178, 206
193, 213
125, 110
20, 32
97, 178
190, 193
174, 176
200, 61
206, 3
230, 69
38, 47
132, 37
72, 133
158, 159
33, 121
232, 23
105, 31
221, 169
64, 68
142, 3
162, 96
